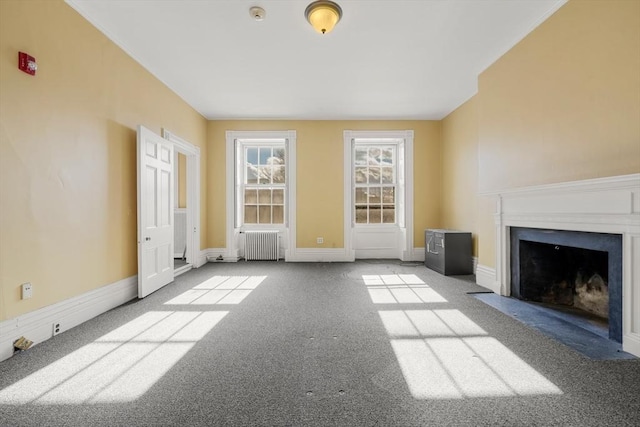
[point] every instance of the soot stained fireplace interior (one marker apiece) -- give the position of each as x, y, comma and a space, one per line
571, 270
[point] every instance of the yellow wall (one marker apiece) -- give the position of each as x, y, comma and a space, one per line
562, 105
320, 195
68, 154
460, 170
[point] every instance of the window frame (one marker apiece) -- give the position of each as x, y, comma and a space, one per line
230, 247
404, 230
242, 147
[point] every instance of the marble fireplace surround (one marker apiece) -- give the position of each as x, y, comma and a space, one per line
601, 205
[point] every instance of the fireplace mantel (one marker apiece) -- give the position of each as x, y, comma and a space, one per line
603, 205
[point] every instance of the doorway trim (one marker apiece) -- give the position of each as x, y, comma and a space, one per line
194, 260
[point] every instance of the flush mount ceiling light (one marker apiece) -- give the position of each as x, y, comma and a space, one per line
257, 13
323, 15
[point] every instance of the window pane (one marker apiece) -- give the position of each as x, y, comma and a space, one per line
278, 156
252, 174
388, 195
265, 154
250, 196
361, 195
278, 197
374, 175
375, 178
374, 195
278, 214
387, 175
388, 214
387, 156
265, 174
264, 214
361, 214
264, 197
374, 156
361, 156
252, 156
361, 175
278, 174
374, 215
250, 214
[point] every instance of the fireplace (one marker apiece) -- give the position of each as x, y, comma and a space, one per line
577, 271
609, 207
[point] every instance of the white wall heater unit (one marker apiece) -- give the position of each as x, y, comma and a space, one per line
261, 245
179, 233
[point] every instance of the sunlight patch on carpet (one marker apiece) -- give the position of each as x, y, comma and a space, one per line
443, 354
458, 368
118, 367
400, 289
218, 290
432, 323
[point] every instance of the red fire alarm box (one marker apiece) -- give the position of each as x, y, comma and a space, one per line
27, 63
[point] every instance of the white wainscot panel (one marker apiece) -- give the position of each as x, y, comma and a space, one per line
377, 242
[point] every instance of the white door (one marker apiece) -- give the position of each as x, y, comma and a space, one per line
155, 212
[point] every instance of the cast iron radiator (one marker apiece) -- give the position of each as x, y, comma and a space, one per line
261, 245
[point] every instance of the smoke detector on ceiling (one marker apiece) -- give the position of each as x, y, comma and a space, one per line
257, 13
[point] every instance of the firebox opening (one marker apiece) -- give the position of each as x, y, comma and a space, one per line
571, 271
565, 276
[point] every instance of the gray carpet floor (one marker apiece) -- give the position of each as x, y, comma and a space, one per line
370, 343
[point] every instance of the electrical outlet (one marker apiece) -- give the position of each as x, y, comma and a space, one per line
27, 290
56, 328
320, 240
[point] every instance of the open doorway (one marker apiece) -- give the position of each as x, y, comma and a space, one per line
180, 211
186, 204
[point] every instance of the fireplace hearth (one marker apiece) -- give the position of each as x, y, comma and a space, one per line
570, 270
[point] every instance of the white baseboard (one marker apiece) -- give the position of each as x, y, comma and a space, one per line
181, 270
307, 255
486, 277
202, 258
631, 343
318, 255
212, 254
418, 254
299, 255
37, 325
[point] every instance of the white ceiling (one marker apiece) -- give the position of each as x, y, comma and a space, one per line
402, 59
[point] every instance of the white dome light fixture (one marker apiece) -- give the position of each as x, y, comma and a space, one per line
323, 15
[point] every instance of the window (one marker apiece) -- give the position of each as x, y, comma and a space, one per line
260, 187
263, 182
375, 179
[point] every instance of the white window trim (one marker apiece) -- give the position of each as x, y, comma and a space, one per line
349, 222
231, 250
